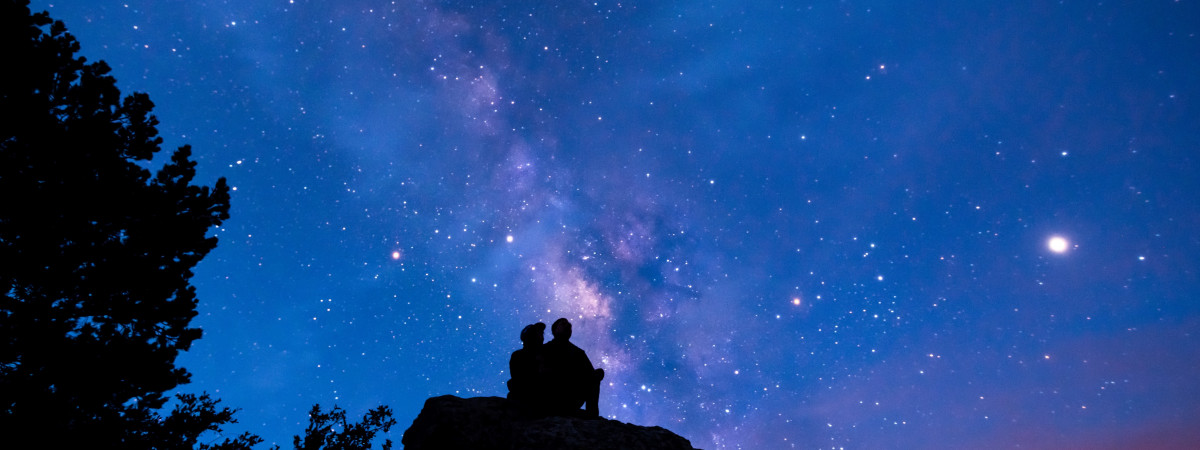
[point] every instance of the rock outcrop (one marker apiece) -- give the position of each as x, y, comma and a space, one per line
492, 423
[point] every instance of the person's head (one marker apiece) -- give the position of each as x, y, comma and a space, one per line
533, 334
561, 329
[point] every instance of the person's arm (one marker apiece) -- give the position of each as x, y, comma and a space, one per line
512, 365
584, 361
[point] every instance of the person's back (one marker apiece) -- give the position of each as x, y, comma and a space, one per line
565, 365
525, 369
526, 387
570, 377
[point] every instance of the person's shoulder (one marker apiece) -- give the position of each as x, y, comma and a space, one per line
574, 350
528, 351
560, 346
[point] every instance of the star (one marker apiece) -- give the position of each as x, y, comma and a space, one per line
1057, 244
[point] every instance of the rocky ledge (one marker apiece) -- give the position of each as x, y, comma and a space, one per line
491, 423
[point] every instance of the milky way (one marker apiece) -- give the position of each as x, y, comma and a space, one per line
775, 225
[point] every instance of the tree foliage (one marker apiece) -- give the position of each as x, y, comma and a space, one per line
96, 257
331, 431
191, 418
96, 251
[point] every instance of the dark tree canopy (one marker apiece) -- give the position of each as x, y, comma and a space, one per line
96, 257
331, 430
96, 251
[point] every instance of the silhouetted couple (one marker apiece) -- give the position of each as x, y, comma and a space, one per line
554, 378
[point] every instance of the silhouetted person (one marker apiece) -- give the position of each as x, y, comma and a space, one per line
570, 376
527, 386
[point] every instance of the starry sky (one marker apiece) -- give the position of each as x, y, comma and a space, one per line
859, 224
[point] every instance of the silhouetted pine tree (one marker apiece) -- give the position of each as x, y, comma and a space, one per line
96, 253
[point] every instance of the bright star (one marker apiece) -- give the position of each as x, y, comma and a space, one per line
1057, 244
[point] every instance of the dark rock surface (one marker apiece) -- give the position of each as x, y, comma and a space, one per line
487, 423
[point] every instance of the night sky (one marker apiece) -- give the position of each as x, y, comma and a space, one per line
774, 224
